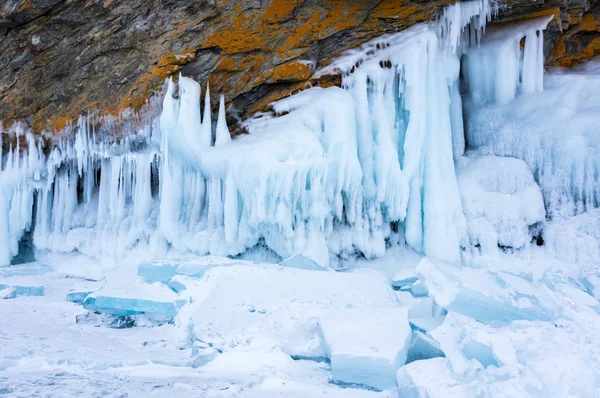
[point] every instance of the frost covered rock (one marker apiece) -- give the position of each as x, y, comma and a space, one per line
366, 347
501, 201
481, 295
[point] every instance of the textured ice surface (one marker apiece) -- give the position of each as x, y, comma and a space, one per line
235, 305
77, 297
155, 301
24, 290
501, 201
423, 347
24, 270
366, 347
555, 132
425, 314
303, 262
480, 294
163, 270
8, 293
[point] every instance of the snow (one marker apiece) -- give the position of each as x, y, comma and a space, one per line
164, 269
554, 132
480, 294
370, 352
236, 305
302, 262
501, 201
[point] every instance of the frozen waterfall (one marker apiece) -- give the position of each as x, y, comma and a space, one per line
332, 173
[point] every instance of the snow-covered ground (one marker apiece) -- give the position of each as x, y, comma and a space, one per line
248, 329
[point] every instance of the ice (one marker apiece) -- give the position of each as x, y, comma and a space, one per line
501, 201
77, 297
233, 306
463, 339
426, 314
331, 173
451, 185
370, 352
423, 347
593, 283
8, 293
404, 278
433, 378
500, 68
25, 270
303, 262
554, 131
156, 302
574, 239
163, 270
202, 353
24, 290
479, 294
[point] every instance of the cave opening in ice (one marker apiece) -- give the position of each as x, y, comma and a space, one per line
333, 173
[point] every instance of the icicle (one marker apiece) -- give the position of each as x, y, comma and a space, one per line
206, 129
222, 135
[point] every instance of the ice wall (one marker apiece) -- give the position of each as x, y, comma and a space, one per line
555, 131
334, 173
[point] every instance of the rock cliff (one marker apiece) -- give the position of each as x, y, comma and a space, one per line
62, 58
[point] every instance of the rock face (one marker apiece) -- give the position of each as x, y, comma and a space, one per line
62, 58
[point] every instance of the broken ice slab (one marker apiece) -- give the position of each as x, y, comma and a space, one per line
481, 295
154, 310
78, 297
432, 377
367, 346
404, 278
407, 281
163, 270
155, 301
423, 347
8, 293
463, 340
233, 305
25, 290
592, 282
575, 296
24, 270
426, 314
157, 271
301, 261
202, 353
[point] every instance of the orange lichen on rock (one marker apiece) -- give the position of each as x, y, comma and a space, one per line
579, 44
293, 71
589, 23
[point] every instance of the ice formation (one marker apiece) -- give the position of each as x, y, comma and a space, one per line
335, 176
371, 352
